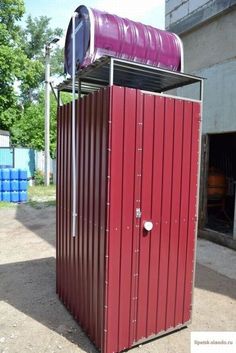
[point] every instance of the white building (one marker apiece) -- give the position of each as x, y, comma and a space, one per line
4, 138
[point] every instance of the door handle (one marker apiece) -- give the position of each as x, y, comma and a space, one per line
148, 225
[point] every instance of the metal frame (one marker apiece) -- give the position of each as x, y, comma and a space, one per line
198, 198
109, 71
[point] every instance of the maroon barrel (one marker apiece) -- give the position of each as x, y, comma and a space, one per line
98, 34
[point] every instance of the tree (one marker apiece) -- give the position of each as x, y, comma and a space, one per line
28, 130
35, 35
10, 55
22, 75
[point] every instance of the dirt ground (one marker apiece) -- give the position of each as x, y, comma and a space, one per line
32, 319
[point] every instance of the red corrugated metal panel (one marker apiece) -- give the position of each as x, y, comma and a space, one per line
81, 260
134, 151
192, 218
167, 156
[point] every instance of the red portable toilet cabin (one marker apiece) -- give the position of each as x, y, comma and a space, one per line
129, 181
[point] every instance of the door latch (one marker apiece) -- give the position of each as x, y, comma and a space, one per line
138, 213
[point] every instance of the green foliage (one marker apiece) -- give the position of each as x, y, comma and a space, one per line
28, 129
36, 34
22, 75
38, 177
33, 39
10, 12
10, 55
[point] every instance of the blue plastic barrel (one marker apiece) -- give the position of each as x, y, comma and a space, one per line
0, 196
0, 173
14, 196
22, 174
22, 196
5, 174
6, 186
23, 185
14, 185
14, 173
6, 196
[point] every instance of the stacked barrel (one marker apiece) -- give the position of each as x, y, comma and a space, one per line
13, 185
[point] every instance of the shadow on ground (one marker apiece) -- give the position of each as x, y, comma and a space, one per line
30, 287
213, 281
40, 219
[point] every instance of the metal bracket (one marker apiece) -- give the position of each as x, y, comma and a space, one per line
138, 213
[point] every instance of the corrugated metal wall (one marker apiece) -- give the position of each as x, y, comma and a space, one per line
142, 153
81, 260
25, 158
153, 166
15, 157
6, 157
4, 138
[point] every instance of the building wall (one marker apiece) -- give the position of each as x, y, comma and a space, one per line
219, 107
176, 10
4, 138
210, 52
212, 43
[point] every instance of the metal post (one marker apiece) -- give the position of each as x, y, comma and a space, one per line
111, 72
74, 174
47, 112
47, 117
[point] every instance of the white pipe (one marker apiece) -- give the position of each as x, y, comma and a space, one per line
47, 116
74, 181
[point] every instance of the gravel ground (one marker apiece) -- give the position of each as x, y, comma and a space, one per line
32, 319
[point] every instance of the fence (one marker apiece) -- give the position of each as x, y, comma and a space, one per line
25, 158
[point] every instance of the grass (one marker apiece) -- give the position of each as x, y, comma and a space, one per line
7, 204
39, 196
42, 196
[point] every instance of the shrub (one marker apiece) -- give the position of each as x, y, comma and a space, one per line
38, 177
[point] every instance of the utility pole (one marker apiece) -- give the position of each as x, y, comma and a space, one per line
47, 113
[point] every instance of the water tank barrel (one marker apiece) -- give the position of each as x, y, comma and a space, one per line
217, 185
100, 34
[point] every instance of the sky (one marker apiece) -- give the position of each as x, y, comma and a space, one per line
149, 12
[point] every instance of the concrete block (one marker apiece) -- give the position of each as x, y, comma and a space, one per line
171, 5
219, 98
179, 13
195, 4
167, 21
